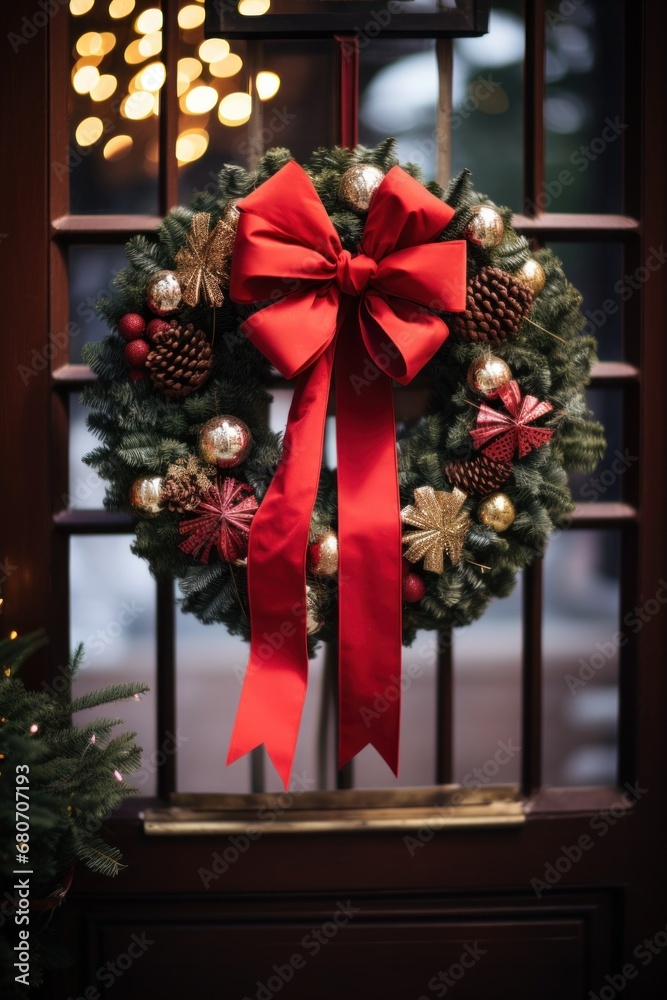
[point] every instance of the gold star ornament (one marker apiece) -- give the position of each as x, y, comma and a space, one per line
441, 527
202, 263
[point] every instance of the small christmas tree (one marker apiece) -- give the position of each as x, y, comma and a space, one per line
58, 781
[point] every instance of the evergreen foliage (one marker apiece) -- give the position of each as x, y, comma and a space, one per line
142, 432
72, 785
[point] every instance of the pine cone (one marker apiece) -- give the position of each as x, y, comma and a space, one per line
184, 484
495, 305
180, 361
481, 475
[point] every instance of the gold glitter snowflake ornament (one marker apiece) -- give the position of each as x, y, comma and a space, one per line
202, 262
441, 527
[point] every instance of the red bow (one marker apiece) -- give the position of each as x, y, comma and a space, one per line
516, 435
370, 318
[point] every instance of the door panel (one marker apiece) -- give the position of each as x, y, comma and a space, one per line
393, 946
419, 908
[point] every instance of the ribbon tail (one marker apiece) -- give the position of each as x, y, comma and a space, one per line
274, 688
369, 573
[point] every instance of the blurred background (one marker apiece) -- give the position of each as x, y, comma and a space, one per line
116, 78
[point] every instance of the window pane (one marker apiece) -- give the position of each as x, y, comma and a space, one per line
398, 95
583, 111
605, 482
116, 77
418, 723
487, 123
597, 270
581, 610
86, 486
112, 598
487, 696
294, 81
91, 273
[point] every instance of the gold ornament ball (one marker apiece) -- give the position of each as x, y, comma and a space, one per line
224, 441
532, 276
497, 511
163, 294
486, 228
359, 184
324, 554
146, 495
488, 374
313, 618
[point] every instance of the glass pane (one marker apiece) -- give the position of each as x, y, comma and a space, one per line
116, 77
398, 95
112, 599
487, 123
605, 482
583, 108
292, 79
91, 273
211, 668
487, 696
418, 724
86, 486
581, 646
597, 270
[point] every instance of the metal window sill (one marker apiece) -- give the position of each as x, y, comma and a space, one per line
351, 811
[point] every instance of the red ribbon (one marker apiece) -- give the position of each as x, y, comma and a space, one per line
512, 426
370, 319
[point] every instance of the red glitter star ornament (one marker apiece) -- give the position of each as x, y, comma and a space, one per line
512, 426
224, 515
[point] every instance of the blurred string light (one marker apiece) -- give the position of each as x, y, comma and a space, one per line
89, 131
196, 78
137, 106
118, 147
120, 8
268, 85
212, 50
190, 67
104, 88
108, 42
132, 54
191, 145
253, 8
148, 21
152, 77
150, 44
234, 109
79, 7
229, 66
90, 44
191, 16
85, 78
200, 99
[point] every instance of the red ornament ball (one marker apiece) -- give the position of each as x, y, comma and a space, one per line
155, 326
414, 588
406, 566
131, 326
136, 352
136, 374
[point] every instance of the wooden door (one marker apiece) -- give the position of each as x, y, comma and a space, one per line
466, 886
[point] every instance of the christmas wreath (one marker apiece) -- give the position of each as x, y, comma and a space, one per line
349, 270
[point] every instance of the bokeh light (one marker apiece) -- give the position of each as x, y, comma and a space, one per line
268, 85
117, 147
89, 131
235, 108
